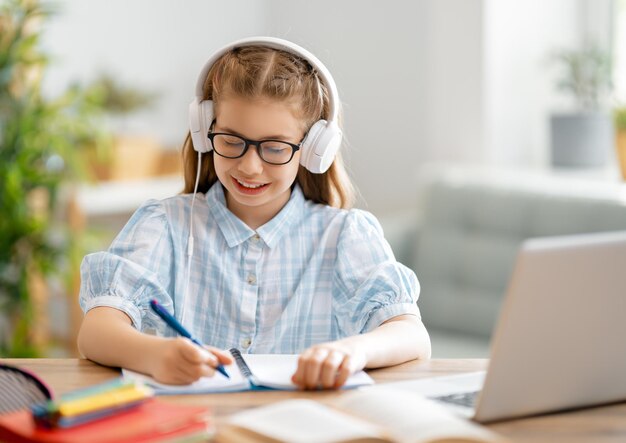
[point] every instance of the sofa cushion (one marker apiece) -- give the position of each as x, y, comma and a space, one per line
470, 233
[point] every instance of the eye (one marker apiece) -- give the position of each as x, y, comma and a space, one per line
275, 148
231, 140
228, 145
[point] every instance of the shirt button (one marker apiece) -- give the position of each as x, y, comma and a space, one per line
246, 342
251, 279
256, 238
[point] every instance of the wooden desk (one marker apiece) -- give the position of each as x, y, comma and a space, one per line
593, 425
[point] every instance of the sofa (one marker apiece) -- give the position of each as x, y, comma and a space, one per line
462, 235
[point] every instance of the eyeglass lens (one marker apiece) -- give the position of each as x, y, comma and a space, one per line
272, 151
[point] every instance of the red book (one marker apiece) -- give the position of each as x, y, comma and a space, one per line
153, 421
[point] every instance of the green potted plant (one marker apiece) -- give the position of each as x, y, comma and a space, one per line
619, 120
40, 140
120, 161
582, 137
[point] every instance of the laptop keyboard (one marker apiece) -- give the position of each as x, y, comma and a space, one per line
467, 399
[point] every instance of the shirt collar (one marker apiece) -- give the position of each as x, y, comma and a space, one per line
236, 231
272, 231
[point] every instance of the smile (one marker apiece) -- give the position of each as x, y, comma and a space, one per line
250, 185
249, 188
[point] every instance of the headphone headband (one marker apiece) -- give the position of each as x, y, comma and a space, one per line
284, 45
323, 138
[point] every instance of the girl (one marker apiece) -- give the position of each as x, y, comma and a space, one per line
280, 264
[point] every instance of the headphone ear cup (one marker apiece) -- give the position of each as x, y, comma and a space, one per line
320, 146
207, 120
200, 120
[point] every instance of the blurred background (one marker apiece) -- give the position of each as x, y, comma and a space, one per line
502, 93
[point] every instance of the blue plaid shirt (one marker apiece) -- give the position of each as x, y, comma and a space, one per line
312, 274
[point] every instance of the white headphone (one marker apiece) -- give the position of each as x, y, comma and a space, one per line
321, 143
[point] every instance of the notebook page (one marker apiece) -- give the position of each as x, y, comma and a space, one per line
217, 383
305, 421
275, 371
412, 418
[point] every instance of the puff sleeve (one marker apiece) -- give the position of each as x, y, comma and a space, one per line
370, 285
138, 266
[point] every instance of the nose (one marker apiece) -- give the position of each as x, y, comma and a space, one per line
251, 163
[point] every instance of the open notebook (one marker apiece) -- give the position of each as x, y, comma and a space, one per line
249, 372
363, 415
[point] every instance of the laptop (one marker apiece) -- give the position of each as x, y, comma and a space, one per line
559, 340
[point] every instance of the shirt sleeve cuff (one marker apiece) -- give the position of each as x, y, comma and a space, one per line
120, 303
388, 312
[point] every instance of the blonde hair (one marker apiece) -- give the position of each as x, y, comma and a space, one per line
254, 72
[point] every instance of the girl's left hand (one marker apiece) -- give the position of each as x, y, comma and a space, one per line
328, 365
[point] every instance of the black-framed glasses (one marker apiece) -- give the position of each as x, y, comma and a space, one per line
274, 152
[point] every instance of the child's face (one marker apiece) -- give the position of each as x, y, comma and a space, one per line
256, 120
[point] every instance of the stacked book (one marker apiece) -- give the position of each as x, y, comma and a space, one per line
115, 411
91, 404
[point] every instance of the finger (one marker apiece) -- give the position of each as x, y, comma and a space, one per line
298, 376
193, 372
313, 368
194, 354
188, 350
208, 357
196, 362
345, 370
207, 371
223, 356
330, 368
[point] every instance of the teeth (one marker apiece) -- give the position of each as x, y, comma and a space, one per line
246, 185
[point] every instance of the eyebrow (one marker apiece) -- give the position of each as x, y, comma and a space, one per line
269, 137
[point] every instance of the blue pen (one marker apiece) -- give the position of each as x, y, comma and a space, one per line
175, 325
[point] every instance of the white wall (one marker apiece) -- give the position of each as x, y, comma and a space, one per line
160, 45
421, 80
455, 114
376, 52
519, 77
520, 95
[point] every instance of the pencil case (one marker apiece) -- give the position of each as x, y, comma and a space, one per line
90, 404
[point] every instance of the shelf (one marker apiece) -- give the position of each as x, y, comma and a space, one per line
123, 197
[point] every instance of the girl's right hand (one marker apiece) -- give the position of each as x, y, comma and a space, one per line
180, 361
